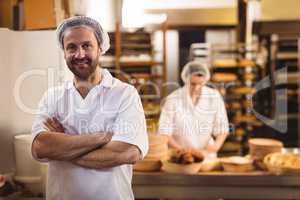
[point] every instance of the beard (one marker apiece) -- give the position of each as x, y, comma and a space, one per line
83, 68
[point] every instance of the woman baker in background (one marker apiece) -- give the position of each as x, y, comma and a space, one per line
194, 116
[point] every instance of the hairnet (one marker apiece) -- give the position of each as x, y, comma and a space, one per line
83, 21
194, 68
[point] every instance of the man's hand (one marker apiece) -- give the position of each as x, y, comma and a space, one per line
104, 138
110, 155
67, 147
53, 125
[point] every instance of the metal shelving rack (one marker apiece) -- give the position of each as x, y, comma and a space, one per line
284, 55
281, 39
234, 74
133, 59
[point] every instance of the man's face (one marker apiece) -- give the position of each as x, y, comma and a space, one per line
81, 51
196, 84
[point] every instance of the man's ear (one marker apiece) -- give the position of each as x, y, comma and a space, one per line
64, 54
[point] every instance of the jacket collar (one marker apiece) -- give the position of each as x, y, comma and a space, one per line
107, 80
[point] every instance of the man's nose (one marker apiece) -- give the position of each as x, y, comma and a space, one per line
80, 53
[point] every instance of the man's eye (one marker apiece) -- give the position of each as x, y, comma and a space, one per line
86, 46
71, 48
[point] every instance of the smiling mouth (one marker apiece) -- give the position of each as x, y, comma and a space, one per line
81, 62
81, 65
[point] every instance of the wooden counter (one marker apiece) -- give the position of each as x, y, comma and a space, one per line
215, 185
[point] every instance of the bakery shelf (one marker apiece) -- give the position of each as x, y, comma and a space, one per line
235, 73
135, 54
287, 55
289, 78
139, 63
232, 63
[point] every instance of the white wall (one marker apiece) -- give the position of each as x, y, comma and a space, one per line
137, 13
5, 101
107, 12
186, 4
172, 59
172, 55
23, 53
172, 52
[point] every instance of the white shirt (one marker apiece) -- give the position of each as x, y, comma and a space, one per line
192, 126
111, 106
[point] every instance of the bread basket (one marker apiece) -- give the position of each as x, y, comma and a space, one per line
260, 147
147, 165
287, 163
237, 164
158, 151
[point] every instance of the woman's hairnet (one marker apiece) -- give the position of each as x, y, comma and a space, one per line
83, 21
194, 68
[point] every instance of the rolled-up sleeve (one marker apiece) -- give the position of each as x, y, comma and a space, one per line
130, 124
44, 111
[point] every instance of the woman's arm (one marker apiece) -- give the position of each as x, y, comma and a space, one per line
173, 144
219, 141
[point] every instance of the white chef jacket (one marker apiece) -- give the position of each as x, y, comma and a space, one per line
111, 106
192, 126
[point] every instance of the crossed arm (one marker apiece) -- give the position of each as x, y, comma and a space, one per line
95, 151
110, 155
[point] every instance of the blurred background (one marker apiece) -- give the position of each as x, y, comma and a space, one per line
251, 47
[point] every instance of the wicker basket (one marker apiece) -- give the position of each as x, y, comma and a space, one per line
287, 163
147, 165
237, 164
260, 147
158, 147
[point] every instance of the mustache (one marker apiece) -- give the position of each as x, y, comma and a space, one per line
82, 60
